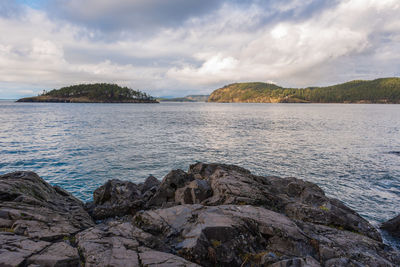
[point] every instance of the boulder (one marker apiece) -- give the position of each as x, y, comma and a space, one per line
392, 226
166, 192
149, 183
116, 198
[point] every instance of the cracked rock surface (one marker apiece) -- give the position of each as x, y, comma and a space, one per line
211, 215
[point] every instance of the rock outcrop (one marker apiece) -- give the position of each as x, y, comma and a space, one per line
212, 215
35, 221
392, 226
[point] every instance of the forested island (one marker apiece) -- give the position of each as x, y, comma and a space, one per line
92, 93
384, 90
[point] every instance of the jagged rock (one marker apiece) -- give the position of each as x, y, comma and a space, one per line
59, 254
149, 183
193, 193
116, 198
296, 198
223, 235
166, 191
236, 235
36, 209
392, 226
214, 215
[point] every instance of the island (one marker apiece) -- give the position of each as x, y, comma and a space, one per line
92, 93
211, 215
383, 90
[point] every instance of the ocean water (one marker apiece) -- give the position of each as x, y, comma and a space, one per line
351, 151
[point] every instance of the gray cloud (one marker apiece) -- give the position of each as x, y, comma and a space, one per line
139, 16
199, 47
10, 9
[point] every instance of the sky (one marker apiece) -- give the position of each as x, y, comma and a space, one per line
181, 47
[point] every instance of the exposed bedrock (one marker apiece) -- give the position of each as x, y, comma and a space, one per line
392, 226
211, 215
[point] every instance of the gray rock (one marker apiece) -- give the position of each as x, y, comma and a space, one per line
193, 193
149, 183
15, 249
166, 191
225, 234
58, 254
392, 226
242, 235
116, 198
36, 209
242, 220
296, 198
297, 262
339, 244
117, 243
155, 258
109, 245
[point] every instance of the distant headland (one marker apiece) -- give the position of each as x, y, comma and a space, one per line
384, 90
92, 93
188, 98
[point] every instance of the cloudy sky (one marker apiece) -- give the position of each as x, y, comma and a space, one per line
179, 47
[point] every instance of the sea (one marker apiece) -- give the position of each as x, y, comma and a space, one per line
352, 151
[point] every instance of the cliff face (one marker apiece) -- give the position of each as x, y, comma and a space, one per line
386, 90
212, 215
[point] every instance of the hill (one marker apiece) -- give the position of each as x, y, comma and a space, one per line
92, 93
189, 98
384, 90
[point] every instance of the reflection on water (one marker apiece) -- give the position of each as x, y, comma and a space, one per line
346, 149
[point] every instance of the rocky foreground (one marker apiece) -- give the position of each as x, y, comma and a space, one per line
212, 215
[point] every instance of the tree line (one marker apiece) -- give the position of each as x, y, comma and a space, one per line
99, 91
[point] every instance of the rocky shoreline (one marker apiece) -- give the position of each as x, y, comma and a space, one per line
211, 215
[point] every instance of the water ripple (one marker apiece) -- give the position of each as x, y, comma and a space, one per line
349, 150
